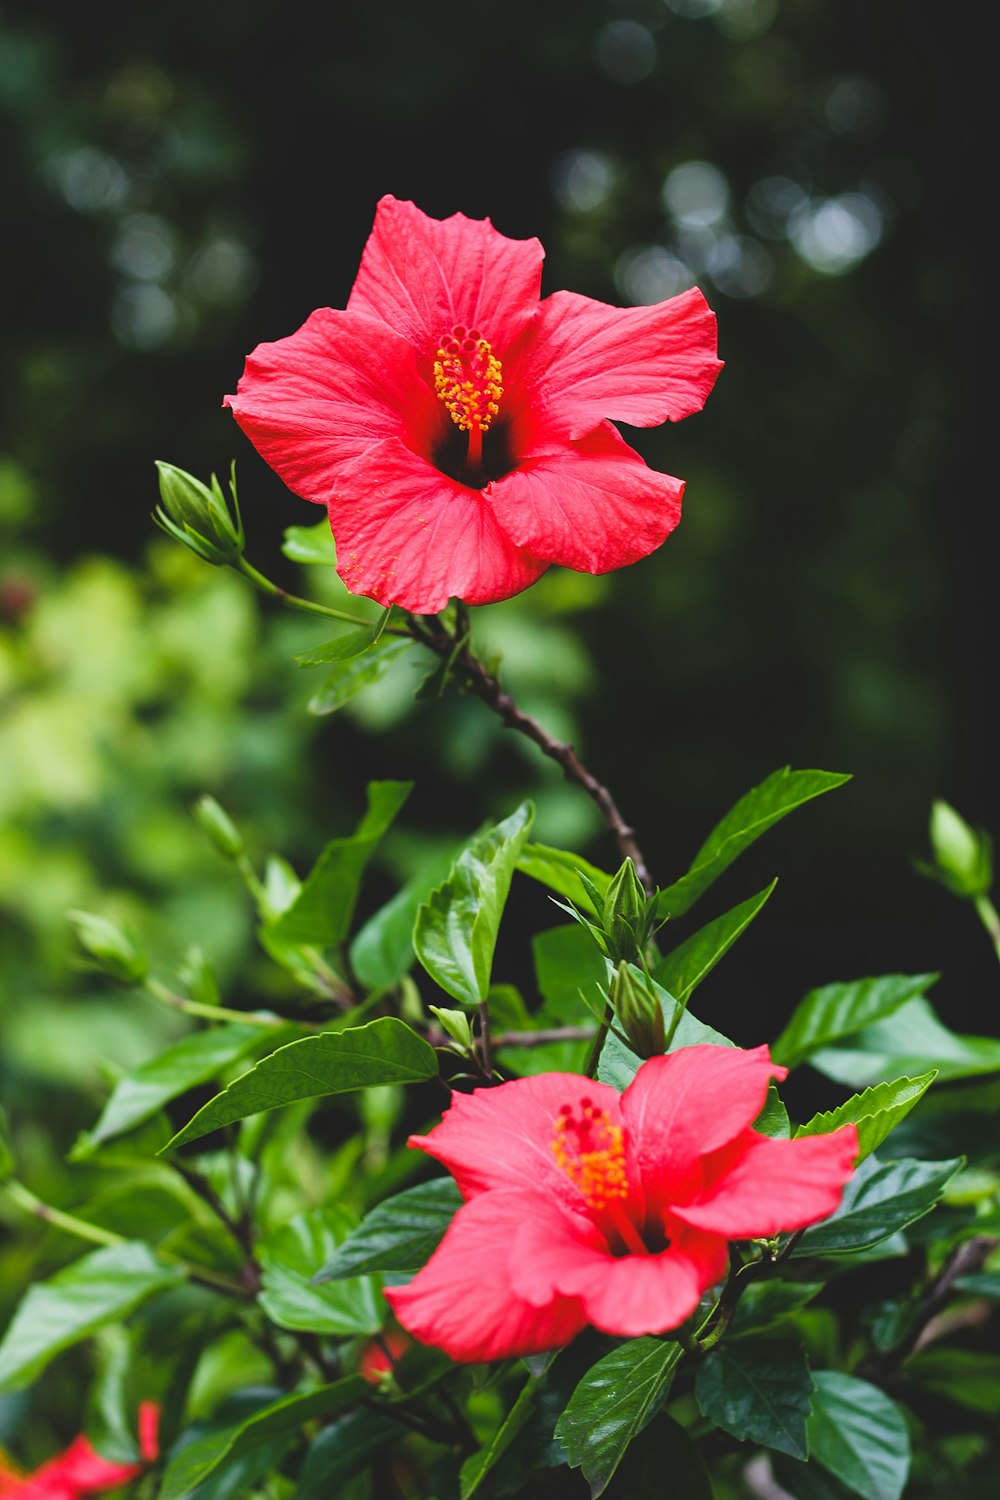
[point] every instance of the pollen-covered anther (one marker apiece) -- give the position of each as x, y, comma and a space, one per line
467, 378
591, 1151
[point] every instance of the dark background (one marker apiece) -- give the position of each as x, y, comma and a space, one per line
183, 181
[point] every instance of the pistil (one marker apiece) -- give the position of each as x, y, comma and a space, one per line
467, 380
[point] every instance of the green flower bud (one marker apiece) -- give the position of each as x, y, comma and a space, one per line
627, 916
963, 856
198, 516
219, 826
639, 1013
456, 1024
109, 948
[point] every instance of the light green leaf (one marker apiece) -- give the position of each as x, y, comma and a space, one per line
753, 815
839, 1010
682, 971
879, 1199
310, 544
912, 1041
346, 646
195, 1462
384, 1051
476, 1468
456, 927
859, 1435
399, 1234
382, 950
875, 1112
7, 1163
193, 1060
759, 1393
568, 961
356, 674
99, 1288
322, 910
290, 1257
612, 1402
560, 870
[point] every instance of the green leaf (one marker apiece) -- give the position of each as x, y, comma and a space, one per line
912, 1041
968, 1377
753, 815
476, 1468
612, 1402
568, 961
382, 950
875, 1112
358, 673
619, 1064
322, 910
560, 870
310, 544
767, 1303
7, 1164
773, 1118
662, 1460
346, 646
384, 1051
456, 927
839, 1010
193, 1060
682, 971
99, 1288
859, 1435
290, 1257
879, 1199
195, 1462
758, 1393
342, 1450
399, 1234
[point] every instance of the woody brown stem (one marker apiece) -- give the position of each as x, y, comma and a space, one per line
485, 686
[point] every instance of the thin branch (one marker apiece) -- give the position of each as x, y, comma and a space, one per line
968, 1257
484, 685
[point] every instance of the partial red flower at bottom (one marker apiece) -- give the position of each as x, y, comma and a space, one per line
586, 1207
456, 426
80, 1470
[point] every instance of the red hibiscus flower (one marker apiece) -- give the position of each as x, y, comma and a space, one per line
455, 426
584, 1206
81, 1470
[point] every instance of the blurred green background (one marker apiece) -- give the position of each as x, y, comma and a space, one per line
183, 181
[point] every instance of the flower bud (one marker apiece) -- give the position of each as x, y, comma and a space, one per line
962, 856
456, 1024
198, 516
627, 916
109, 948
639, 1013
219, 826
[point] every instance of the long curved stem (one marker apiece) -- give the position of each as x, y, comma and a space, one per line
484, 685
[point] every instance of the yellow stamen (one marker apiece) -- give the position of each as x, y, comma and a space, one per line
467, 378
591, 1151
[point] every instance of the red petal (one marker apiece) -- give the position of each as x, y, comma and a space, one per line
763, 1187
463, 1301
81, 1470
594, 506
582, 360
637, 1294
149, 1430
679, 1108
424, 276
502, 1137
407, 534
313, 401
